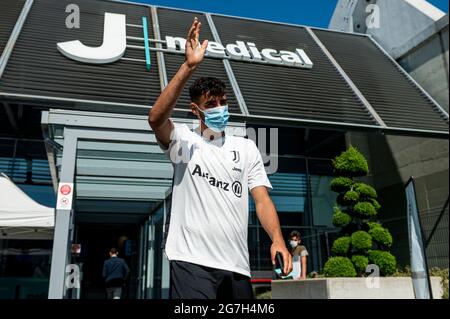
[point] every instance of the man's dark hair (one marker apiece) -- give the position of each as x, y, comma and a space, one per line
294, 233
113, 251
206, 85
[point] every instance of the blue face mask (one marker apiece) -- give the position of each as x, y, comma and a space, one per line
216, 118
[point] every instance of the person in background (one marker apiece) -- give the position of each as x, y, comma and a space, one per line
299, 255
115, 272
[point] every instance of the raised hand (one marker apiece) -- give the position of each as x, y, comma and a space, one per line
194, 53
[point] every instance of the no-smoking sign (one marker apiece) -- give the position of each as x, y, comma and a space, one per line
65, 189
65, 195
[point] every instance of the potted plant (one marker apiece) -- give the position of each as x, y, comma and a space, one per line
362, 239
362, 263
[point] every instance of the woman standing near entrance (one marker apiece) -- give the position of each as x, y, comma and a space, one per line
299, 255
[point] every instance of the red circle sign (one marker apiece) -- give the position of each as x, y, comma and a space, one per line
65, 189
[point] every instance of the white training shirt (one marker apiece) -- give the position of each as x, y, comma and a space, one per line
209, 215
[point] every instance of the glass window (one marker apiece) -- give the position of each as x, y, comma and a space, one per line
44, 195
304, 202
24, 271
25, 161
289, 196
323, 199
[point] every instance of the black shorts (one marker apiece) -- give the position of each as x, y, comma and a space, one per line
191, 281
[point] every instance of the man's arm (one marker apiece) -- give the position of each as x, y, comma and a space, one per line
159, 115
267, 215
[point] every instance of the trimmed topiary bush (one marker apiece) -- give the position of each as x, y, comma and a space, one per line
341, 184
355, 215
381, 235
341, 219
341, 246
375, 204
385, 260
365, 190
347, 198
365, 209
350, 164
340, 200
361, 240
360, 262
339, 267
373, 225
351, 197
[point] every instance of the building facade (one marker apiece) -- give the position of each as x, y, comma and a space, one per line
415, 34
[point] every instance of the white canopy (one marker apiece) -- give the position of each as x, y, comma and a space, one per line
20, 216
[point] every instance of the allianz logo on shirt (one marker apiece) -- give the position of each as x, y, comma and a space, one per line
236, 187
115, 42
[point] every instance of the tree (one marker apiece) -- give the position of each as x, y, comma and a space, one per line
362, 238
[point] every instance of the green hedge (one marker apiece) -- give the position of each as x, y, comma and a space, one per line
351, 197
375, 204
341, 219
365, 209
350, 163
341, 184
365, 190
373, 225
381, 235
340, 200
385, 260
443, 273
341, 246
339, 267
360, 262
355, 214
434, 271
347, 198
361, 240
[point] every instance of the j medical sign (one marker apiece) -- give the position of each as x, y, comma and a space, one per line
115, 43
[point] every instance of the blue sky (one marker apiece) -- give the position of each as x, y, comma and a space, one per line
316, 13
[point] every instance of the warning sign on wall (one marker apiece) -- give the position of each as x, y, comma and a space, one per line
65, 196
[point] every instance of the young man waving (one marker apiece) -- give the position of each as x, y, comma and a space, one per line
206, 235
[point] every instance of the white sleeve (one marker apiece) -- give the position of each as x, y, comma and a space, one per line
256, 173
178, 141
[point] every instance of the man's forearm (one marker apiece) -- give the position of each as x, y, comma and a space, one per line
268, 217
164, 105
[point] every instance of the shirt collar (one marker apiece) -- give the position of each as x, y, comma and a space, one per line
216, 141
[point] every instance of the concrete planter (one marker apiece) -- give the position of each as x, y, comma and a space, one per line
350, 288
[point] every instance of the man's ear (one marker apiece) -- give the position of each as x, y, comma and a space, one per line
196, 111
194, 108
